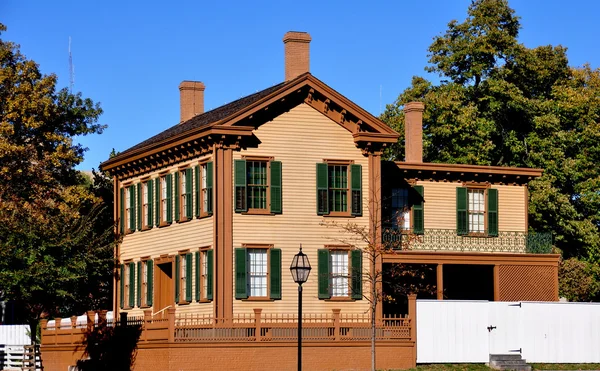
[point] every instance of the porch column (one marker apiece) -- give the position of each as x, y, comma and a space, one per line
375, 216
496, 282
440, 281
223, 233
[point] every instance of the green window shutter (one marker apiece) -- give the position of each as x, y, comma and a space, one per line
139, 284
240, 186
177, 278
177, 197
356, 261
197, 275
418, 211
209, 275
356, 189
275, 273
122, 292
241, 289
188, 194
323, 273
462, 222
122, 217
322, 189
131, 208
169, 179
139, 206
209, 187
131, 285
197, 190
150, 281
276, 196
188, 277
492, 212
157, 201
150, 204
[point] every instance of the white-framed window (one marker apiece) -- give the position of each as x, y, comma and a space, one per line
204, 274
163, 198
257, 272
203, 188
400, 209
144, 283
476, 210
182, 277
146, 204
128, 209
339, 273
182, 188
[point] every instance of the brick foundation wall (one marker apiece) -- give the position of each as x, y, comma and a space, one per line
248, 357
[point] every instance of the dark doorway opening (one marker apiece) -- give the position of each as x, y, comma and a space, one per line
400, 280
468, 282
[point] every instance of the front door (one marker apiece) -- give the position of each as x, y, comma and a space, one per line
163, 288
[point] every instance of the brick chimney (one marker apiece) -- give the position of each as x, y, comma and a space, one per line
413, 131
191, 99
297, 54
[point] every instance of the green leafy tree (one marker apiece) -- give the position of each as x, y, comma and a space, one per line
501, 103
53, 230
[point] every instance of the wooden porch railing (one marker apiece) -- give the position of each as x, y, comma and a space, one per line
253, 327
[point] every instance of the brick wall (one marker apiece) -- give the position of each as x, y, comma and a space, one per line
248, 357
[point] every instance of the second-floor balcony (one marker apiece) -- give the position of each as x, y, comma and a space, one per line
450, 240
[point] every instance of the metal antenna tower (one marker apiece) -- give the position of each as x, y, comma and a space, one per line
71, 69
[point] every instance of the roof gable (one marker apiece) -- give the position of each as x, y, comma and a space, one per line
240, 117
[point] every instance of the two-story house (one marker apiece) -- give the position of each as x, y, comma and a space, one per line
212, 210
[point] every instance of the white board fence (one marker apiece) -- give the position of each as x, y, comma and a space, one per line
14, 334
469, 331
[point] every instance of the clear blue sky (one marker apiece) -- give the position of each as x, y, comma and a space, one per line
131, 56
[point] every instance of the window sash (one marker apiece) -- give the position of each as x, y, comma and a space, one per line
257, 184
163, 198
126, 284
182, 277
339, 273
257, 272
203, 274
182, 188
128, 211
144, 284
203, 188
476, 210
145, 205
338, 188
400, 209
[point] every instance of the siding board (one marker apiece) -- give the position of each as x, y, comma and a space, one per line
299, 139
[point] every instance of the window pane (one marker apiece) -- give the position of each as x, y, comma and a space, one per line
204, 273
257, 259
338, 187
257, 184
476, 210
204, 192
163, 197
339, 273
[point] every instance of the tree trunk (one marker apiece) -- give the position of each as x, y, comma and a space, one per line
373, 331
33, 325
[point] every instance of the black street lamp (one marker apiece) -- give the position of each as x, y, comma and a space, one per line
300, 269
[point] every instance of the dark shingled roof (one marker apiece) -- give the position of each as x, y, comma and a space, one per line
206, 118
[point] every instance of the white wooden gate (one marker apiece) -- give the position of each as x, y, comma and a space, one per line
469, 331
505, 327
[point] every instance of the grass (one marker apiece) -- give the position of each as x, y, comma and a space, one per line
482, 367
565, 366
452, 367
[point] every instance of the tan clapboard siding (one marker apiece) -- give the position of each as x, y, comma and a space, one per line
170, 240
512, 208
299, 139
440, 206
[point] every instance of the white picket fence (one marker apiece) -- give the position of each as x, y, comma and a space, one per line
469, 331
